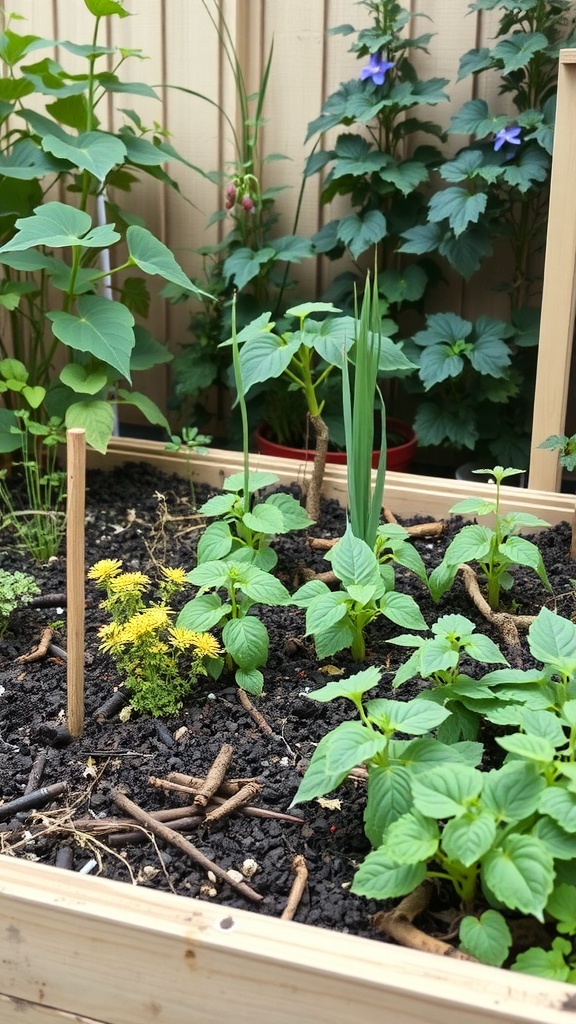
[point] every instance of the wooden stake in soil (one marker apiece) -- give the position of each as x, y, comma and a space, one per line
75, 572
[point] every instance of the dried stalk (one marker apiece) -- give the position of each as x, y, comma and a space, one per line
178, 841
255, 715
419, 529
234, 803
300, 869
398, 925
506, 623
41, 649
215, 775
194, 783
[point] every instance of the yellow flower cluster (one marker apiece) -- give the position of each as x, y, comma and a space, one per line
105, 570
204, 644
178, 577
128, 583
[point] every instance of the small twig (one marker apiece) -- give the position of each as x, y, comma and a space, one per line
194, 783
255, 715
58, 652
305, 574
215, 775
111, 706
298, 887
506, 623
48, 601
234, 803
186, 847
41, 648
398, 924
36, 773
418, 529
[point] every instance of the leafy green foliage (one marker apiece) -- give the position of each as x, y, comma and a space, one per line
337, 619
566, 448
496, 550
16, 589
50, 249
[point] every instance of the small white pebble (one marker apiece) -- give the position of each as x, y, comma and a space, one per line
88, 867
181, 733
284, 761
208, 890
249, 867
210, 696
211, 876
236, 876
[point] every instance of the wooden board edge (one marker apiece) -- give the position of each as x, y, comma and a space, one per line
119, 954
406, 494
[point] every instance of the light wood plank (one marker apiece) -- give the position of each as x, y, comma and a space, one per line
559, 294
126, 955
406, 493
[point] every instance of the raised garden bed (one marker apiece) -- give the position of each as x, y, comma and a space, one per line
80, 948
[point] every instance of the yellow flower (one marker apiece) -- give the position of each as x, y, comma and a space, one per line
111, 636
176, 576
105, 570
183, 638
144, 623
206, 645
129, 583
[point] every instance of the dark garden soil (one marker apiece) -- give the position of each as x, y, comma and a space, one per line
142, 516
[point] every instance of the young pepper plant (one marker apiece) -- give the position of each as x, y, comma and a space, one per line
496, 550
337, 618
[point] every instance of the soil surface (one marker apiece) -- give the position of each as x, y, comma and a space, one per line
144, 518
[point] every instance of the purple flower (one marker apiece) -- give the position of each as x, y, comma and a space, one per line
376, 69
511, 134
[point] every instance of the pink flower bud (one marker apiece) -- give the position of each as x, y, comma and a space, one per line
230, 192
247, 204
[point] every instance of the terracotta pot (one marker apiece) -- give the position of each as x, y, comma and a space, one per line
400, 456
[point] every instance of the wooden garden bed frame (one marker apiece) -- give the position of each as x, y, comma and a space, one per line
80, 950
83, 950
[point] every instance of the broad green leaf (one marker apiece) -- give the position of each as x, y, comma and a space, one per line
325, 611
389, 796
458, 206
104, 8
102, 328
82, 380
264, 518
147, 352
96, 418
250, 680
412, 838
354, 561
522, 552
437, 655
264, 588
334, 638
467, 838
518, 50
359, 233
352, 687
513, 791
153, 257
294, 515
345, 747
552, 640
34, 396
562, 906
403, 610
203, 613
415, 717
57, 225
483, 649
219, 505
520, 874
256, 480
486, 937
245, 264
308, 592
445, 793
474, 118
291, 249
472, 543
559, 804
247, 641
531, 748
546, 963
215, 542
96, 152
561, 844
145, 405
441, 579
217, 573
380, 877
264, 357
439, 363
408, 285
